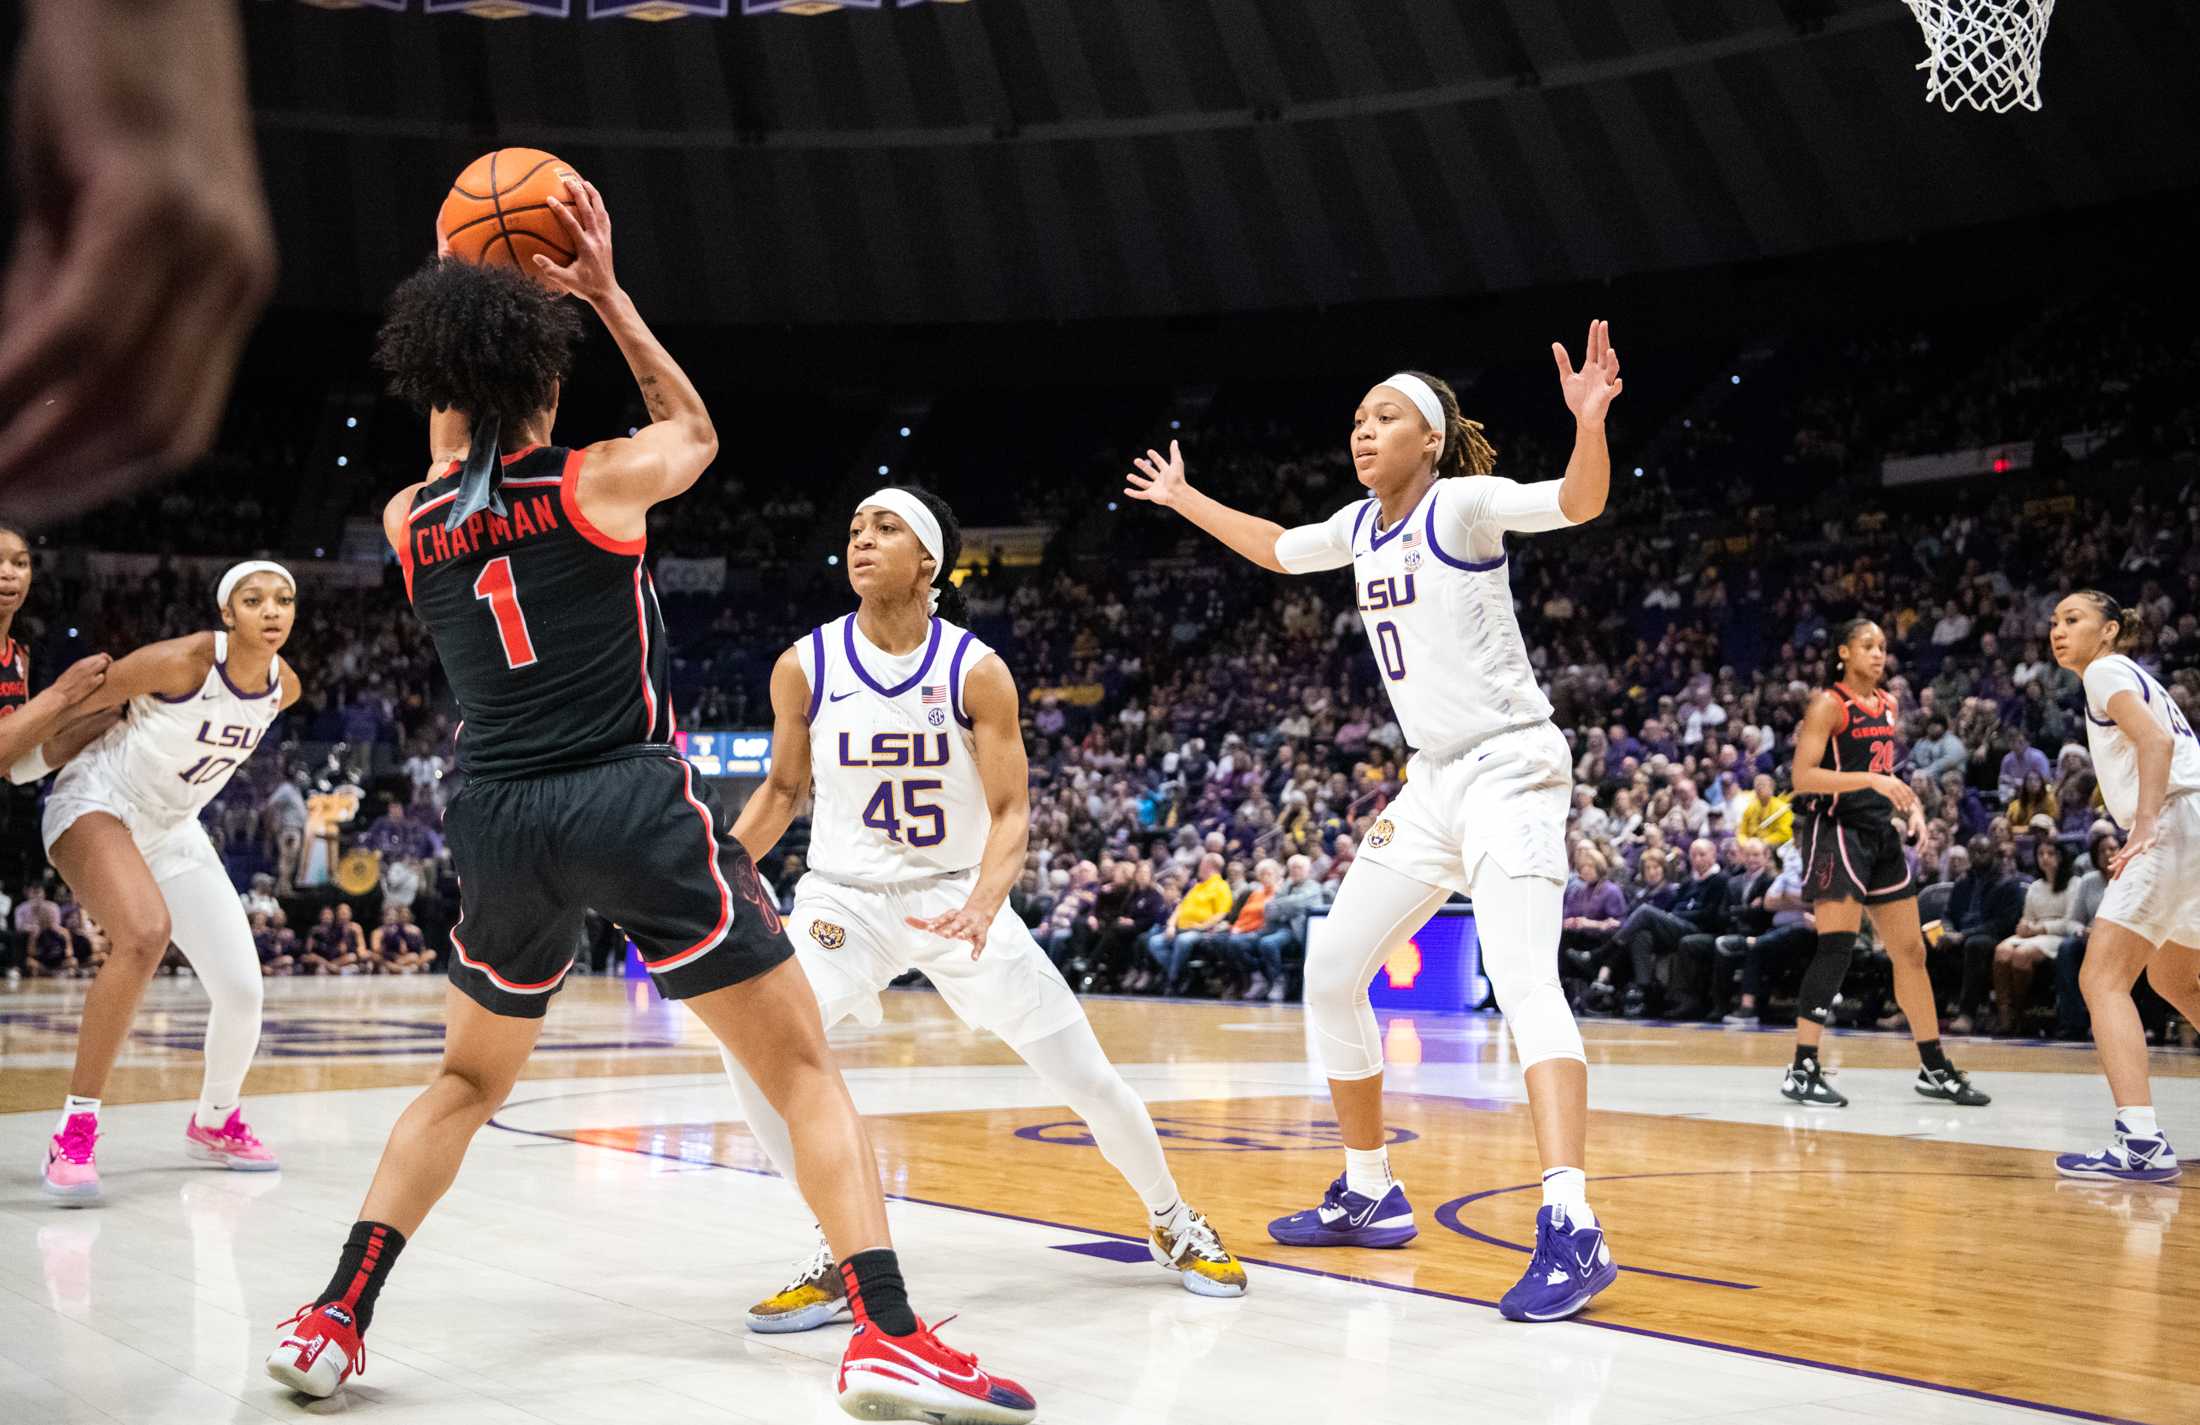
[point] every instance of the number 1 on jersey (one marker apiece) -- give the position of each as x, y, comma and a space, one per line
494, 584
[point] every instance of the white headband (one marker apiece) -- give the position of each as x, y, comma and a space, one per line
1424, 400
244, 571
921, 523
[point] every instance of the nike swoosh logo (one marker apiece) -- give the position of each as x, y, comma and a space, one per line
208, 697
927, 1367
836, 697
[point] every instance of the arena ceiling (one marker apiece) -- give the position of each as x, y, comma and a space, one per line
1060, 159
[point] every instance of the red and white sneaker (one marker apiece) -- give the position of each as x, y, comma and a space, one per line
319, 1351
920, 1377
231, 1145
70, 1173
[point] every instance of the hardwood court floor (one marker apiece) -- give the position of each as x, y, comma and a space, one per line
1900, 1260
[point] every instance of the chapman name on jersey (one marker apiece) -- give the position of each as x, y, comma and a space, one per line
171, 756
893, 759
2115, 760
1434, 596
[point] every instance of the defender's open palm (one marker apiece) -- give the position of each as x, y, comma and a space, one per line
1591, 389
1156, 480
963, 924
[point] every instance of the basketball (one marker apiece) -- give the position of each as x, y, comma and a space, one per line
498, 210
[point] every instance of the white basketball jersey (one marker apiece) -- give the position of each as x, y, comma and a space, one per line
1442, 625
171, 756
892, 756
2115, 760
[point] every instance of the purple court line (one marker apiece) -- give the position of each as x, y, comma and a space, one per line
1643, 1331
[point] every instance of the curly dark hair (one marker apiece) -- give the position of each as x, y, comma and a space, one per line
483, 341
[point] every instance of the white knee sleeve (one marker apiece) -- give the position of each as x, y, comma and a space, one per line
1516, 919
208, 926
1376, 910
1074, 1066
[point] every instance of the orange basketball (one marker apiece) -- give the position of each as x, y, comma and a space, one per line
499, 210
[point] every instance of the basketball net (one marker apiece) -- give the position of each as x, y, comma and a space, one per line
1984, 53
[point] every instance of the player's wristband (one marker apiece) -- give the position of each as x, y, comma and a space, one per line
30, 766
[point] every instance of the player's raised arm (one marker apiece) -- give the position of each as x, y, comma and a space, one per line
1589, 393
1304, 550
771, 807
666, 456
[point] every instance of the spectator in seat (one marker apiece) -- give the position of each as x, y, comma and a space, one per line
2022, 760
1288, 914
2049, 918
2034, 798
1593, 908
1698, 965
1650, 935
2072, 1019
1204, 910
1766, 815
1983, 910
274, 952
1116, 960
1939, 751
1788, 931
1249, 932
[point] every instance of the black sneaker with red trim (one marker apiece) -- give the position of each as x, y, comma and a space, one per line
920, 1377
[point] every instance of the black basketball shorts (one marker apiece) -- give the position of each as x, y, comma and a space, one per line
641, 841
1854, 861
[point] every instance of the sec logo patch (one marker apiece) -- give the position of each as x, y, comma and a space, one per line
1380, 833
827, 934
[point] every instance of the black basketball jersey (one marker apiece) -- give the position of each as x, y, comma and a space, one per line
547, 627
1865, 741
15, 677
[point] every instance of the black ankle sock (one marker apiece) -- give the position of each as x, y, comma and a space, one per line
1805, 1054
1929, 1054
369, 1253
876, 1293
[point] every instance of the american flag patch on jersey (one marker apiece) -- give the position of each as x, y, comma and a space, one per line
935, 693
1412, 538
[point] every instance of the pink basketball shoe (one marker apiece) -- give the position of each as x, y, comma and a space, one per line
70, 1174
231, 1145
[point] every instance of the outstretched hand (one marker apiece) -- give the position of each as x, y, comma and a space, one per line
1591, 389
589, 276
1157, 481
964, 924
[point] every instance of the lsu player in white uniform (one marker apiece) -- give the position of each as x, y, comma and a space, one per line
2148, 763
909, 729
122, 828
1484, 808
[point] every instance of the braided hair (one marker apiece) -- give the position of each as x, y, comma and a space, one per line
1466, 450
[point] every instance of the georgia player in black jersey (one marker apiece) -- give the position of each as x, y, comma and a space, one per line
525, 561
27, 721
1846, 752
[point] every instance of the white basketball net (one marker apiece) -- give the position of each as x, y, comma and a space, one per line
1984, 53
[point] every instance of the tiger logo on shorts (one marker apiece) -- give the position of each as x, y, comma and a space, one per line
827, 934
1378, 835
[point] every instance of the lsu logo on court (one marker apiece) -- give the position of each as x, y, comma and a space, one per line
827, 934
1378, 835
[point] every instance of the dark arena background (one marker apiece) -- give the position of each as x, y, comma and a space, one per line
1924, 362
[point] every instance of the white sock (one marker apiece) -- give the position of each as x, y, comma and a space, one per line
2139, 1122
1567, 1189
212, 1118
74, 1106
1367, 1171
1171, 1220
